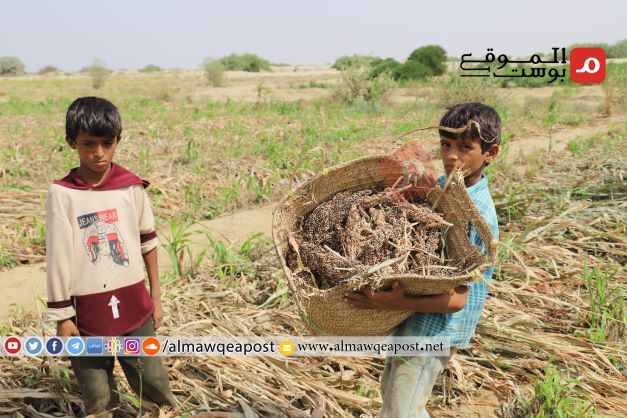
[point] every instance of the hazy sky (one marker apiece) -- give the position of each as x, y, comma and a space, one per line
131, 34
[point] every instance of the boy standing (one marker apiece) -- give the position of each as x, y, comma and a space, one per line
407, 382
99, 235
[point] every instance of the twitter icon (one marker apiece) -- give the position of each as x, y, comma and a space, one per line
34, 346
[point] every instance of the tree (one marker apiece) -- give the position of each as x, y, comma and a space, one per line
214, 70
246, 62
380, 66
412, 70
98, 73
432, 56
347, 61
11, 66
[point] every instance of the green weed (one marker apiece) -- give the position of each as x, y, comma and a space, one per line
229, 263
64, 379
179, 247
6, 260
607, 317
557, 397
190, 151
364, 388
578, 146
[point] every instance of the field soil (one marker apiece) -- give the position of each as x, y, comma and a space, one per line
22, 285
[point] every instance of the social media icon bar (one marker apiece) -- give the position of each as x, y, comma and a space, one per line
54, 346
131, 346
94, 346
587, 65
34, 346
75, 346
12, 345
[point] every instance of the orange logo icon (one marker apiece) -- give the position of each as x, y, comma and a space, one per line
151, 346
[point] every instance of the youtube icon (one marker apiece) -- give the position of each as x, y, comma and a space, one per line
12, 345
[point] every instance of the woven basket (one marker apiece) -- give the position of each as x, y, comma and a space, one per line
325, 311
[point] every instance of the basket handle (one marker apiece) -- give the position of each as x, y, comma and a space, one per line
473, 216
463, 129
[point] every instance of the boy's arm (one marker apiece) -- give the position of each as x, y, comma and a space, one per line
59, 267
396, 300
149, 242
152, 270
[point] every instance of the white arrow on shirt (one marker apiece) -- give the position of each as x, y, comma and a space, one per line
114, 306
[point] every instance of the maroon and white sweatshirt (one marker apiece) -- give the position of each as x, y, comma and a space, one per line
95, 238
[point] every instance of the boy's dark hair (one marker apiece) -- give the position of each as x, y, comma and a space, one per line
457, 116
94, 116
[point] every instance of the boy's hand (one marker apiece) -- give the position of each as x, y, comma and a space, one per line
419, 187
157, 315
67, 328
408, 162
367, 299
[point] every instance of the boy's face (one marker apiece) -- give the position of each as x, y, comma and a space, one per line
95, 152
466, 154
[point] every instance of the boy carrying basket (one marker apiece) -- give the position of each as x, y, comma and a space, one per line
407, 382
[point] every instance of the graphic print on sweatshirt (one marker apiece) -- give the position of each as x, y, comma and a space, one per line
102, 239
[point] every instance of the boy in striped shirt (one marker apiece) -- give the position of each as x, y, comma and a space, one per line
407, 382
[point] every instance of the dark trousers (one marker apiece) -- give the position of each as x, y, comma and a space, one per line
145, 375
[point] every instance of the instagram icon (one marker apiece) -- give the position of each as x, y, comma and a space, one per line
131, 346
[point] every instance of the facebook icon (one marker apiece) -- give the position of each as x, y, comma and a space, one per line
54, 346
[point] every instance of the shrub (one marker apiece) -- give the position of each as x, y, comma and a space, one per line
98, 73
150, 68
356, 85
557, 396
348, 61
214, 70
453, 89
388, 65
412, 70
246, 62
433, 56
48, 69
618, 50
11, 66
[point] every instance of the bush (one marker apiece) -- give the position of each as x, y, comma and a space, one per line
356, 85
388, 65
98, 73
246, 62
48, 69
432, 56
348, 61
150, 68
11, 66
214, 70
412, 70
453, 89
618, 50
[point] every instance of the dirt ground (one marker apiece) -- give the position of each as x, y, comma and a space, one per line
22, 285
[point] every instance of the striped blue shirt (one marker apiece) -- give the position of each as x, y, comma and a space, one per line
459, 326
